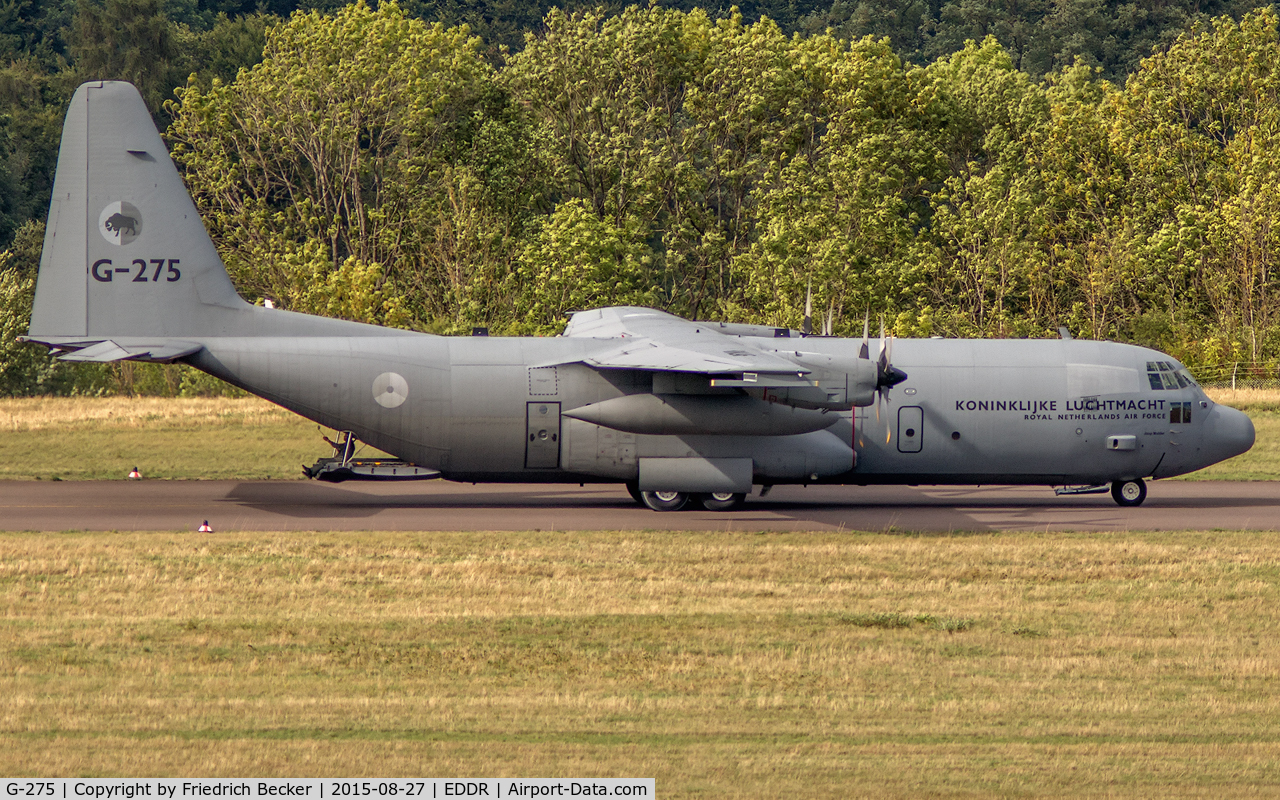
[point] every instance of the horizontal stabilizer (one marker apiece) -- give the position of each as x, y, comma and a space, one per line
105, 351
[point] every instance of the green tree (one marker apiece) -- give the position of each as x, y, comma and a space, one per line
1201, 126
841, 213
986, 213
578, 261
131, 40
359, 139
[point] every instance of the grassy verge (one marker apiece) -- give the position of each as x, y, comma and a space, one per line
724, 665
73, 438
103, 438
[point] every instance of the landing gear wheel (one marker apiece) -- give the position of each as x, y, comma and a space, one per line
723, 501
633, 489
1129, 493
665, 501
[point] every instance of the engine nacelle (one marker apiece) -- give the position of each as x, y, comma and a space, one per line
694, 414
841, 383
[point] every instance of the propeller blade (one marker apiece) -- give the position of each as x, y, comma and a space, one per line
807, 326
865, 350
882, 360
888, 428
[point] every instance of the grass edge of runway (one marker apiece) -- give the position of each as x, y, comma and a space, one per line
724, 664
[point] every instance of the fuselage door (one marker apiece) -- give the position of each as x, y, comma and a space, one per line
910, 429
542, 443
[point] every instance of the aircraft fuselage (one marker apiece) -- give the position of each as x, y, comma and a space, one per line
971, 411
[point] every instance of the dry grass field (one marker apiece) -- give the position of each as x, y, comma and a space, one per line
1126, 664
90, 438
1250, 400
724, 665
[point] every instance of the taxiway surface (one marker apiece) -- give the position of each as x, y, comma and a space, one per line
439, 505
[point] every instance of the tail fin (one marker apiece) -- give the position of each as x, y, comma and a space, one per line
125, 253
128, 270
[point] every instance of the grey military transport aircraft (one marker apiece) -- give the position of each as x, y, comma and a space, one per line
678, 411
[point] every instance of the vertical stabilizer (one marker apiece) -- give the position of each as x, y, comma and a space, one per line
125, 252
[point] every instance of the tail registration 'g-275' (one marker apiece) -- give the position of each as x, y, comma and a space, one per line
143, 270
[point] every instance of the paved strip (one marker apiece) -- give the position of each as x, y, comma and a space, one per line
440, 505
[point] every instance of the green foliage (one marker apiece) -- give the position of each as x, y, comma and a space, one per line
841, 212
717, 168
1041, 37
129, 40
31, 107
965, 170
366, 136
578, 261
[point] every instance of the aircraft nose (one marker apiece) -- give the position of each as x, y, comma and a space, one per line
1228, 433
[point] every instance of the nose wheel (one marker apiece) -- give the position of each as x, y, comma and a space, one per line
1129, 493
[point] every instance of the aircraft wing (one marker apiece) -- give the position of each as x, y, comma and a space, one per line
103, 351
660, 342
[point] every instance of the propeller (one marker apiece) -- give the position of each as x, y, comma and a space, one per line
887, 376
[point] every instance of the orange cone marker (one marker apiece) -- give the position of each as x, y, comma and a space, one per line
205, 528
134, 475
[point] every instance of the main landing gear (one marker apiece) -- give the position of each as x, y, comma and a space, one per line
1129, 493
674, 501
665, 501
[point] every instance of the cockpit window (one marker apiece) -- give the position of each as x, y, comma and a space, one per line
1165, 375
1180, 413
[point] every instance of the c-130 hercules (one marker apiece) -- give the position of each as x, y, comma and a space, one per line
677, 410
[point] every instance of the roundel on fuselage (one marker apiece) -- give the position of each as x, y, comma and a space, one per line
390, 390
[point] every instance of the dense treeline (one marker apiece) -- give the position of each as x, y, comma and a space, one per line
371, 165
